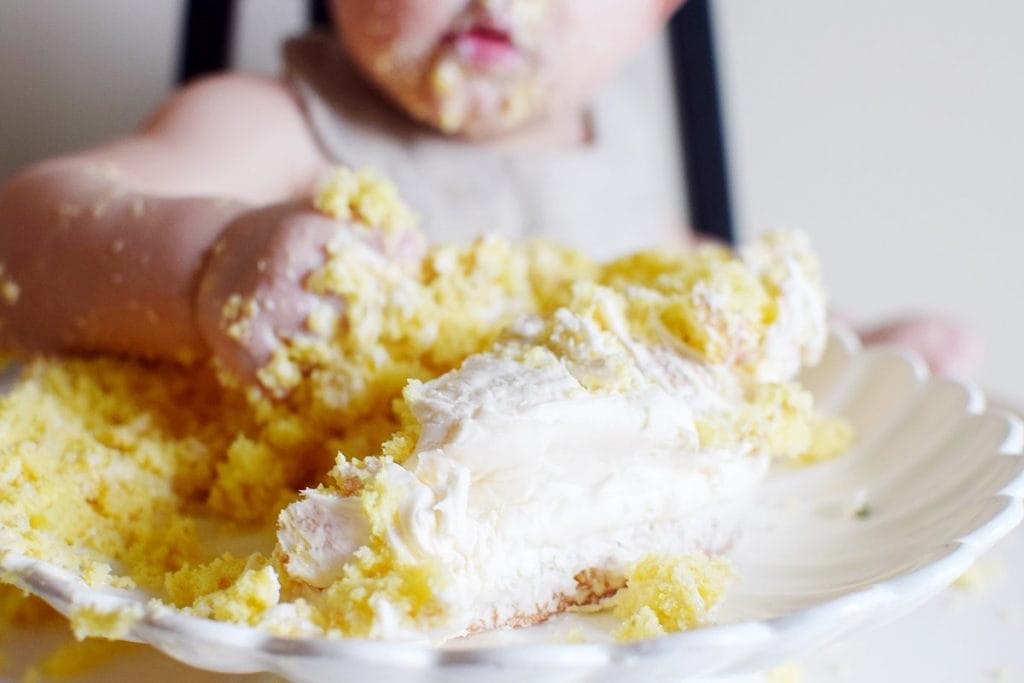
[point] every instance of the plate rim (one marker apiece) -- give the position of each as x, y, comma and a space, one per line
62, 588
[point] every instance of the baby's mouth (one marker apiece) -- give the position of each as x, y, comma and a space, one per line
482, 46
485, 76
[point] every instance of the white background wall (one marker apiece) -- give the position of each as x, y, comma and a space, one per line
892, 131
74, 73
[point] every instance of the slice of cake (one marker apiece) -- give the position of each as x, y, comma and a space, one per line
632, 423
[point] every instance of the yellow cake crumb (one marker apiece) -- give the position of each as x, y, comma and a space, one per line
572, 635
281, 374
245, 600
979, 575
250, 482
323, 321
830, 436
400, 325
93, 621
108, 466
667, 593
298, 621
708, 300
228, 588
783, 417
366, 197
191, 582
78, 658
10, 291
445, 77
237, 315
402, 443
785, 673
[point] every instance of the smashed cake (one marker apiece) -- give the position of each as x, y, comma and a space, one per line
481, 439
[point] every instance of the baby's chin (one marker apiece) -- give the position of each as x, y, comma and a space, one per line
461, 101
478, 105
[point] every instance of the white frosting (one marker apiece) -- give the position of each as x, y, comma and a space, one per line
800, 331
321, 532
523, 476
521, 480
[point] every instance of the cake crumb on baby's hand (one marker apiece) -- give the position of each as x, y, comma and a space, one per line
255, 297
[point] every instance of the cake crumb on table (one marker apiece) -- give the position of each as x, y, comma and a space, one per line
785, 673
979, 575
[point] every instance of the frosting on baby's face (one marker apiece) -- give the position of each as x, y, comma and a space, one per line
479, 68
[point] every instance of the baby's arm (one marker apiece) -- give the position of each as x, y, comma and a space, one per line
102, 250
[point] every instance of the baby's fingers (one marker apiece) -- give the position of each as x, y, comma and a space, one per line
251, 297
949, 348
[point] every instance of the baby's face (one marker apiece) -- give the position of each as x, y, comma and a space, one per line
478, 68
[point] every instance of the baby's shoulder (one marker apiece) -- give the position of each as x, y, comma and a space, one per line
233, 98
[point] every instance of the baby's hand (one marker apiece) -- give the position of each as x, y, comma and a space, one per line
947, 347
252, 295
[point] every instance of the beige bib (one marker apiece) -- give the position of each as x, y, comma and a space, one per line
621, 191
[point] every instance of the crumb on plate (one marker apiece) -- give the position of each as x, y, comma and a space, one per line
664, 594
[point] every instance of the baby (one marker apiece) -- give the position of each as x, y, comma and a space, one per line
136, 246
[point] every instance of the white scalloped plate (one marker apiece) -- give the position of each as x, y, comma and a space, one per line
933, 481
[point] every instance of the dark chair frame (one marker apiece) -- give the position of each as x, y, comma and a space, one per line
206, 47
